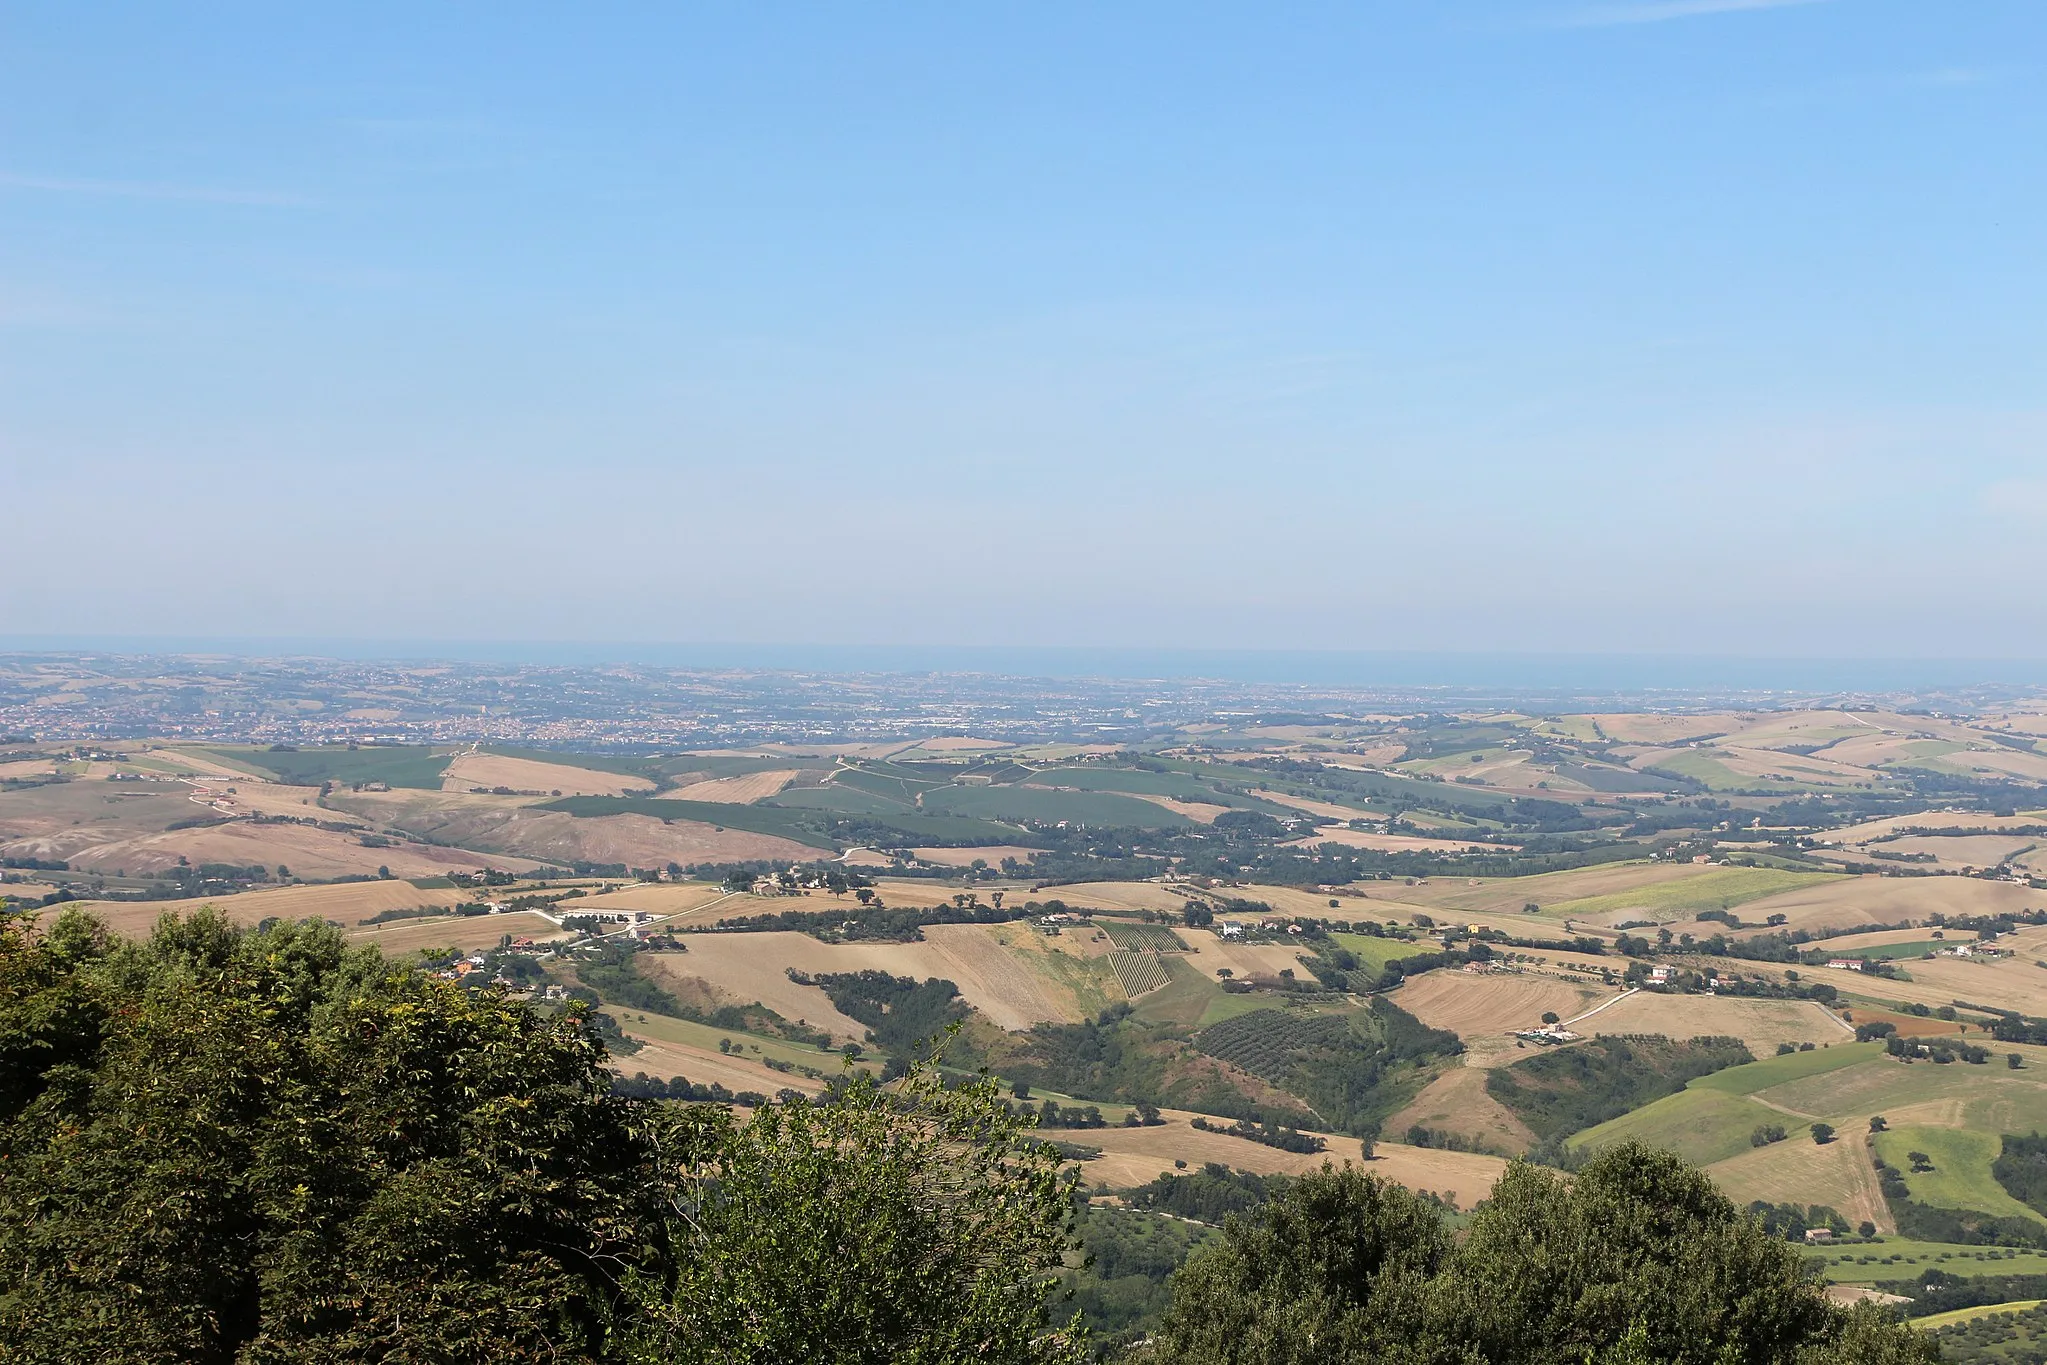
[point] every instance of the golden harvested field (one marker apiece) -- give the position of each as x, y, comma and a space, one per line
1457, 1102
1549, 888
1957, 851
736, 791
965, 857
1761, 1024
1766, 764
461, 931
27, 768
308, 852
1136, 1156
526, 774
1200, 812
705, 1066
956, 744
1385, 843
635, 840
1377, 756
1014, 986
1650, 729
1246, 961
1800, 1171
1311, 806
1876, 899
346, 903
1482, 1008
683, 899
1931, 820
2007, 983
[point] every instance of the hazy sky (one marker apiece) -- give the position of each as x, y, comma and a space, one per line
1711, 325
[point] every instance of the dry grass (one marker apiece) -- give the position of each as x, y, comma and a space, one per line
1957, 851
965, 857
1385, 843
736, 791
2012, 983
953, 744
1550, 888
1761, 1024
1246, 961
1003, 982
706, 1066
1877, 899
468, 932
1483, 1008
526, 774
1651, 729
347, 903
308, 852
685, 900
1799, 1171
1457, 1102
1136, 1156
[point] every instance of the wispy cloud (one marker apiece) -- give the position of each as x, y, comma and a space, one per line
1661, 11
136, 189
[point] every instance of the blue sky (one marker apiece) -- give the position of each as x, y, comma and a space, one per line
1675, 325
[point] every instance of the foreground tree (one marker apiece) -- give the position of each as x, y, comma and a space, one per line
904, 1224
1636, 1259
222, 1146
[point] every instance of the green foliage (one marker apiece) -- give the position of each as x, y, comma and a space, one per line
2021, 1168
1638, 1258
1208, 1195
1349, 1069
907, 1017
611, 971
1559, 1092
918, 1225
1120, 1292
220, 1145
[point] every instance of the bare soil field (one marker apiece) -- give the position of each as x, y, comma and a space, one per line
1800, 1171
1761, 1024
1136, 1156
1483, 1008
1457, 1102
1877, 899
702, 1066
526, 774
736, 791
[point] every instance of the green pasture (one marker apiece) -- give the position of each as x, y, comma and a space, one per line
1702, 1126
1792, 1066
1723, 888
838, 798
1960, 1178
1887, 951
1901, 1258
1955, 1317
666, 1028
1377, 952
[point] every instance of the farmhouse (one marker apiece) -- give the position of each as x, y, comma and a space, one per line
1845, 964
1661, 976
1231, 929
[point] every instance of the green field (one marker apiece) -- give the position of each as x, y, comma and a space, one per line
1792, 1066
1712, 1117
1721, 889
1960, 1178
1377, 952
1934, 1322
1702, 1126
1103, 809
1864, 1263
1889, 951
395, 765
